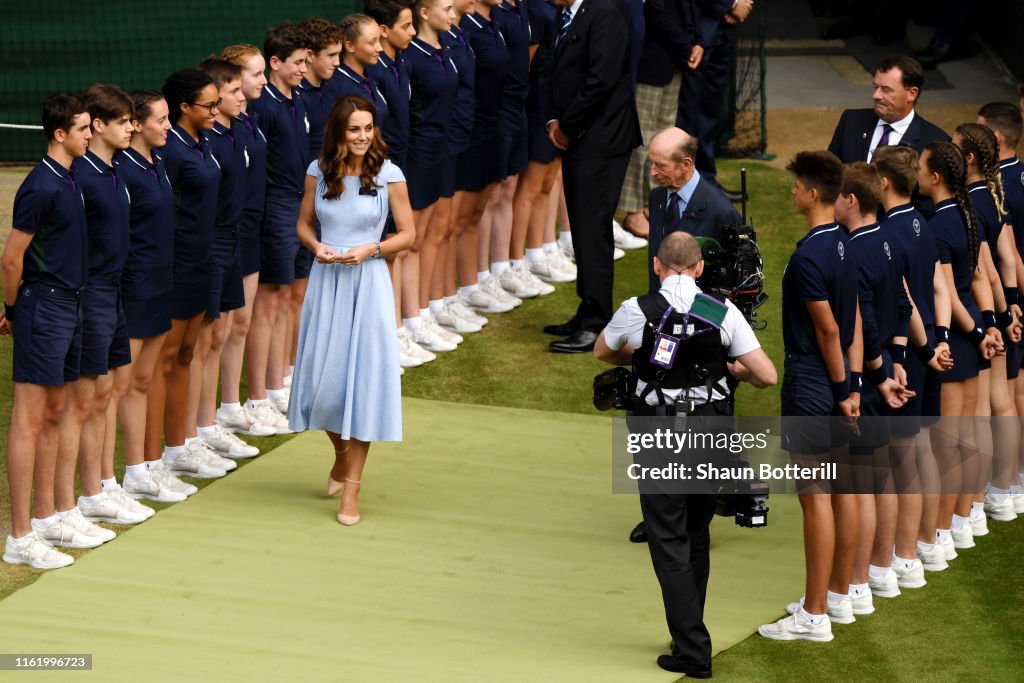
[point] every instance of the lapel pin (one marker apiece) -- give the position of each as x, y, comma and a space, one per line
863, 136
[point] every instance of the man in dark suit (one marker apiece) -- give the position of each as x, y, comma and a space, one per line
684, 200
594, 123
892, 121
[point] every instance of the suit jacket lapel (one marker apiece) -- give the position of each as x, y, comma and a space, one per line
913, 134
864, 141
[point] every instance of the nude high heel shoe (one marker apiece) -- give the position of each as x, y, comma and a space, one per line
349, 520
335, 487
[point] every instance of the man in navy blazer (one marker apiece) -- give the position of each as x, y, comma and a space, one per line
700, 208
892, 121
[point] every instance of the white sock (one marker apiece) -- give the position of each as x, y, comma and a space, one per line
449, 300
425, 314
172, 452
135, 471
90, 500
483, 276
274, 394
835, 598
469, 289
436, 306
565, 240
960, 522
903, 562
536, 255
205, 431
858, 589
46, 521
977, 510
291, 369
190, 439
110, 484
516, 263
412, 324
925, 547
942, 534
230, 408
997, 496
499, 267
816, 619
1015, 490
878, 572
63, 514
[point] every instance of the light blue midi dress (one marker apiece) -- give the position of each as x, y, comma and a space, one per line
346, 377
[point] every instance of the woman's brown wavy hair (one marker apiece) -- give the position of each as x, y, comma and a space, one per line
334, 155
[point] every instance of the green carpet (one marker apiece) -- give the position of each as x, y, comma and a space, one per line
490, 549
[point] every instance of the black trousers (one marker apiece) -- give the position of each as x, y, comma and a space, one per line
592, 187
679, 540
701, 99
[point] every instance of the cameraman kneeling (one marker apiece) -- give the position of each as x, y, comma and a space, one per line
688, 373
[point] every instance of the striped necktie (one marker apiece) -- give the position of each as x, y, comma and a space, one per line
566, 20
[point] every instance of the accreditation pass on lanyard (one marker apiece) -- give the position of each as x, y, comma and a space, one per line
665, 345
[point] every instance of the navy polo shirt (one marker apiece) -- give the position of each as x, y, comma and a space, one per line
1013, 188
286, 124
822, 268
884, 307
148, 270
256, 178
229, 149
907, 226
461, 131
318, 102
49, 206
951, 243
492, 59
435, 84
195, 177
545, 22
345, 81
514, 23
107, 209
990, 223
392, 77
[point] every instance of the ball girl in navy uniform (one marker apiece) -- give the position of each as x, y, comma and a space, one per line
996, 438
147, 282
361, 49
942, 176
192, 101
435, 84
89, 428
480, 167
231, 414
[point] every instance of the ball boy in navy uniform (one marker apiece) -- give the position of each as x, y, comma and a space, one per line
283, 119
324, 41
822, 340
391, 74
44, 266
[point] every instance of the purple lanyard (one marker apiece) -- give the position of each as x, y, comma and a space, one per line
365, 85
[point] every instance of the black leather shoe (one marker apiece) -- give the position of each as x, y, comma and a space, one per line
679, 666
638, 534
579, 341
561, 330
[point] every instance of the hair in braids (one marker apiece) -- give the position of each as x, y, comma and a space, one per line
948, 161
980, 141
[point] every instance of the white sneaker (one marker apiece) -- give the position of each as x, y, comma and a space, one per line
267, 414
411, 355
798, 627
934, 560
618, 254
567, 251
516, 286
862, 604
837, 614
35, 552
75, 519
563, 262
480, 300
168, 482
525, 276
1004, 511
191, 463
912, 577
948, 548
447, 318
242, 421
1018, 503
464, 312
226, 443
148, 486
549, 269
64, 533
428, 340
121, 497
281, 402
439, 331
213, 458
493, 288
109, 509
979, 523
885, 587
963, 537
624, 239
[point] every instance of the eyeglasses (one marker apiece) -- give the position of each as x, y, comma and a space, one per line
211, 107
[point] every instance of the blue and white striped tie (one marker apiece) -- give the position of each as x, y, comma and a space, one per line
566, 20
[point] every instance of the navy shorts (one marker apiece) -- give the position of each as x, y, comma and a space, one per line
513, 136
479, 166
147, 317
424, 182
538, 144
190, 293
967, 361
873, 423
226, 290
807, 397
47, 336
105, 344
1013, 357
279, 241
249, 248
449, 174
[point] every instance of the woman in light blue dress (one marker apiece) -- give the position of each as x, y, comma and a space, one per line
346, 378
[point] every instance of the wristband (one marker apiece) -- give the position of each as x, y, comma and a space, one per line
976, 336
876, 375
924, 353
9, 312
1004, 319
856, 382
898, 353
840, 390
1011, 295
941, 335
988, 319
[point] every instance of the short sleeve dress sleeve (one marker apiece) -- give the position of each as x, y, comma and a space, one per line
313, 170
390, 173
